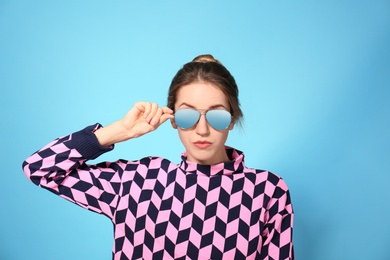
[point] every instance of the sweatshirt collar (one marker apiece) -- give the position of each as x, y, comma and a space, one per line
235, 164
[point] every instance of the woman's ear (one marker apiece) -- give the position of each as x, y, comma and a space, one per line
173, 123
231, 126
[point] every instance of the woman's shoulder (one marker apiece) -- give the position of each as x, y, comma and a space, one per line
266, 178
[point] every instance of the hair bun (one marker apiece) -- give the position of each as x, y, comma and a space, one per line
205, 58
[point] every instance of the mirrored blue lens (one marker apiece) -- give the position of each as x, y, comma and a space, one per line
186, 118
219, 119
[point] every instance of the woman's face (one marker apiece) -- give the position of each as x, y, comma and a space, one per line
203, 144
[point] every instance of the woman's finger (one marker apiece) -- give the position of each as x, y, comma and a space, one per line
167, 110
156, 118
148, 107
151, 112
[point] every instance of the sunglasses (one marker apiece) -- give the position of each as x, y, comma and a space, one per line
218, 119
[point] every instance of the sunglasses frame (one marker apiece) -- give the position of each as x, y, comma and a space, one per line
203, 112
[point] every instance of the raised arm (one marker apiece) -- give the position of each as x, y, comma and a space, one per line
61, 165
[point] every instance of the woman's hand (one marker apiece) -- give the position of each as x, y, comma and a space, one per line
142, 118
145, 117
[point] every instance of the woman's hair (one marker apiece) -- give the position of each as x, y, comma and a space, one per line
204, 68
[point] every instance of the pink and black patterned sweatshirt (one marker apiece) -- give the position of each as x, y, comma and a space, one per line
161, 210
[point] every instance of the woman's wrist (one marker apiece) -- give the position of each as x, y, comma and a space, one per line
112, 134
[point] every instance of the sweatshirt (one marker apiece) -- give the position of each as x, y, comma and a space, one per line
163, 210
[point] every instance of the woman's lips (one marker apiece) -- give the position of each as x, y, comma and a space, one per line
202, 144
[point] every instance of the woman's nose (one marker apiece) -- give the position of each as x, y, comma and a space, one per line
202, 127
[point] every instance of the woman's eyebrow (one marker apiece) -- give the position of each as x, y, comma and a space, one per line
211, 107
217, 106
187, 105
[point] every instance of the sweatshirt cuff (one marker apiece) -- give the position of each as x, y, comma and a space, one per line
86, 143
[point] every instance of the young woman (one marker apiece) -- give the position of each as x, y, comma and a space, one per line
209, 206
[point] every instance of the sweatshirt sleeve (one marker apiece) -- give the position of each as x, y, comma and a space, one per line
278, 227
61, 168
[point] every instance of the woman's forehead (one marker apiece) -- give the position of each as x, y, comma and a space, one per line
201, 95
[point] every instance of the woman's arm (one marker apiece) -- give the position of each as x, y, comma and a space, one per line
61, 165
61, 168
278, 227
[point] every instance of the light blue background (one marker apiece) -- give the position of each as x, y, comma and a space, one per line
314, 78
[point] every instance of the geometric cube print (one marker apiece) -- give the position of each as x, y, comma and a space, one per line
162, 210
